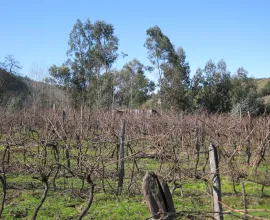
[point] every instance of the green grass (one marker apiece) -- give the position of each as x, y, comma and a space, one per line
24, 192
63, 204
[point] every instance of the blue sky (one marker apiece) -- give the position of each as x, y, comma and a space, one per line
36, 32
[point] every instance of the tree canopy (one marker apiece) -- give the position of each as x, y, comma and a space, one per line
89, 79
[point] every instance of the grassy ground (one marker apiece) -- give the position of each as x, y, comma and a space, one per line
67, 204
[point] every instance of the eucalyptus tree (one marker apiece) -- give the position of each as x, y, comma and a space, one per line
107, 89
176, 81
105, 45
242, 85
212, 86
61, 76
244, 94
105, 54
133, 87
173, 69
92, 51
159, 48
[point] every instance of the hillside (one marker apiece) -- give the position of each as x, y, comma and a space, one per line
262, 82
20, 92
261, 85
14, 91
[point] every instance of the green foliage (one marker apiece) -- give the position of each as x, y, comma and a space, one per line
87, 78
211, 87
267, 109
250, 105
159, 48
133, 88
172, 68
215, 90
244, 95
176, 82
92, 51
242, 86
106, 84
266, 89
158, 45
60, 76
92, 47
14, 91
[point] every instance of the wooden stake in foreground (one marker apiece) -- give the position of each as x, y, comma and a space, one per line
216, 186
158, 197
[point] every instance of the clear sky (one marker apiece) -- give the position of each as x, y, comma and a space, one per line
36, 32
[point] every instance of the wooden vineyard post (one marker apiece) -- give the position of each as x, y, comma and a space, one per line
158, 197
197, 147
64, 116
248, 150
121, 156
216, 186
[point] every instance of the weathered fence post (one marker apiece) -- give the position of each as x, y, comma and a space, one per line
81, 122
216, 189
158, 197
248, 150
197, 147
121, 156
64, 116
67, 155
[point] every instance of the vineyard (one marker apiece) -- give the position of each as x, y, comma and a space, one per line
68, 164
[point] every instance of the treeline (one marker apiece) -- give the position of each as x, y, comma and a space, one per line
87, 76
